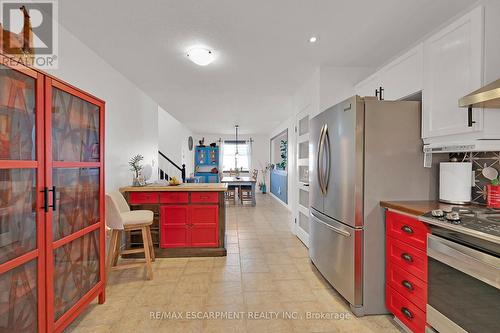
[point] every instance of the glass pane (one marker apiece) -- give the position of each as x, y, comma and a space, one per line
304, 198
304, 174
18, 299
304, 222
304, 125
304, 149
17, 115
75, 128
76, 271
17, 212
77, 203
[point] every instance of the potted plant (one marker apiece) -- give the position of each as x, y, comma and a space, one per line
264, 170
136, 167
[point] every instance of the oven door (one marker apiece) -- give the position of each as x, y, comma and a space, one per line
464, 285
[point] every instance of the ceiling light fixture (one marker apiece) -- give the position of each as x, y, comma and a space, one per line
313, 39
200, 56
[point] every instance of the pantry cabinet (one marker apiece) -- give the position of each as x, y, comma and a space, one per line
453, 67
52, 200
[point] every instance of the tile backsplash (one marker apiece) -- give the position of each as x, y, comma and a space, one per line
480, 160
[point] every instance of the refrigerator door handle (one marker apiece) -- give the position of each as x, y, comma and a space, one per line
328, 159
332, 228
320, 159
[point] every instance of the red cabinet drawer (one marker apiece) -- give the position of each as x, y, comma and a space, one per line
407, 229
174, 197
174, 215
204, 214
202, 197
143, 197
405, 311
407, 257
407, 285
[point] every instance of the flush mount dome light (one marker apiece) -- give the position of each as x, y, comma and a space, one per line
200, 56
313, 39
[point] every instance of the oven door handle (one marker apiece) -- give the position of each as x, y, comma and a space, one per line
477, 264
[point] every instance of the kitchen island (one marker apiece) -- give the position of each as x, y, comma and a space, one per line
189, 219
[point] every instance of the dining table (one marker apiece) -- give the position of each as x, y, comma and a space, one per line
241, 181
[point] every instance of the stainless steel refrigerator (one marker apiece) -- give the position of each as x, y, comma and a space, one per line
362, 151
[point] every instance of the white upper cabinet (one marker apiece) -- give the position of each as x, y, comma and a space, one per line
403, 76
368, 86
398, 79
453, 67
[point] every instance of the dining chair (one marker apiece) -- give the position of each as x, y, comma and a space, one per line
120, 218
246, 193
230, 194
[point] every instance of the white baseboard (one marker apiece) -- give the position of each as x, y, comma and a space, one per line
302, 235
279, 200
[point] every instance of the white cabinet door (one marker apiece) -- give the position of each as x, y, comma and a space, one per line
453, 66
403, 76
368, 86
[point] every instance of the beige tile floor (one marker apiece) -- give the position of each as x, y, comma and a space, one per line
266, 271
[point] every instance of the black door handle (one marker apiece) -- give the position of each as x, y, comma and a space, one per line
53, 190
46, 205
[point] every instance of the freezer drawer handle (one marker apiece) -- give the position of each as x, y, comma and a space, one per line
407, 229
406, 257
334, 229
407, 284
407, 313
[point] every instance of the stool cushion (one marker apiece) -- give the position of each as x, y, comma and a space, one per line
137, 217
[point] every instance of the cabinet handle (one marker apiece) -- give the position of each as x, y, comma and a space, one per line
407, 229
407, 313
407, 284
406, 257
470, 121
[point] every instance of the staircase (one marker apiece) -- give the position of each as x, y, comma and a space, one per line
164, 176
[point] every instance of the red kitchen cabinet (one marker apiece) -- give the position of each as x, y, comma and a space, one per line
204, 226
406, 269
174, 226
189, 226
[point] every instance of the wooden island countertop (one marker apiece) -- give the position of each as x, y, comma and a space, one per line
189, 187
418, 207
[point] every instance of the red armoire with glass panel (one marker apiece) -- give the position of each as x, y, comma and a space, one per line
51, 200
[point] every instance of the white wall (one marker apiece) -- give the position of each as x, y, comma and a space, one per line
173, 142
131, 118
337, 83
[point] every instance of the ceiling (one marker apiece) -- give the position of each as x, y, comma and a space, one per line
261, 48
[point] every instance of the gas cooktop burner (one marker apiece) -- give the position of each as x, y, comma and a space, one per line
480, 219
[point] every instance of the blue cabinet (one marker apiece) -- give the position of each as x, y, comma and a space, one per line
206, 159
207, 177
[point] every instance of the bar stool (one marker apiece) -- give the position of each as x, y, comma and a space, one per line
119, 218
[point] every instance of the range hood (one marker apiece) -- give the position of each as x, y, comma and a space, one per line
486, 97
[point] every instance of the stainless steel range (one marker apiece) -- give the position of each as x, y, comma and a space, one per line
464, 270
480, 222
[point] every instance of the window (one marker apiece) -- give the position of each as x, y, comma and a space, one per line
229, 158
